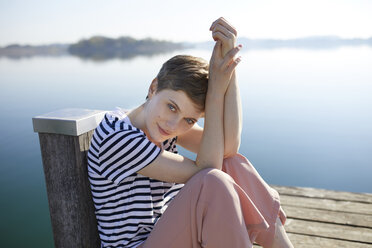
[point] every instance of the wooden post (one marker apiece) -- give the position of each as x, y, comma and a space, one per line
64, 141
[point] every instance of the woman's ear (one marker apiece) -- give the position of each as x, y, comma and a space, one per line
152, 88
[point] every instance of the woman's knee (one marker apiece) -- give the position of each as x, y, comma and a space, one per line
211, 175
217, 178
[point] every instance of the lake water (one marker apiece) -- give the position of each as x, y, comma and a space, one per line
307, 120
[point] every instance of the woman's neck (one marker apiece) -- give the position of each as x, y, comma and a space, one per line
137, 118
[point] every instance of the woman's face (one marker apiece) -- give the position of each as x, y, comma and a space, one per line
169, 113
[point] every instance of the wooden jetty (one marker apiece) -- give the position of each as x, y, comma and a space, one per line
325, 218
315, 217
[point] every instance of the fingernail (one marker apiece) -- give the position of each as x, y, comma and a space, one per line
211, 26
240, 45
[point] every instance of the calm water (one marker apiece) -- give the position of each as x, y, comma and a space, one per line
307, 120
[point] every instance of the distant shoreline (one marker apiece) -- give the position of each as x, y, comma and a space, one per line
103, 48
314, 42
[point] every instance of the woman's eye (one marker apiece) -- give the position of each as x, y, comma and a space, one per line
190, 121
171, 107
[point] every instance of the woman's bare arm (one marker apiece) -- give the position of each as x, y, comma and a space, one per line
232, 124
226, 33
211, 148
221, 68
232, 118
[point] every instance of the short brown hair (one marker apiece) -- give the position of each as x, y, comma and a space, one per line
186, 73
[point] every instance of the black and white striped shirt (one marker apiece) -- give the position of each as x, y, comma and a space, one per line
127, 204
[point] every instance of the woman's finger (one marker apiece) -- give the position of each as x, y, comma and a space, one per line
222, 21
220, 36
234, 64
216, 50
224, 30
229, 57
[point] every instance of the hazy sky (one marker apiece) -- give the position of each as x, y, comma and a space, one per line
49, 21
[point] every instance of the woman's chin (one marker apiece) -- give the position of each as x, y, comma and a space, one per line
157, 139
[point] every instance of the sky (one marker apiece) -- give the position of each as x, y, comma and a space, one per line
38, 22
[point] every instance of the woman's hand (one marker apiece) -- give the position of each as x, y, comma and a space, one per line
225, 32
221, 68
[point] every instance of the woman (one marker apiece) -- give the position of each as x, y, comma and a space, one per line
147, 195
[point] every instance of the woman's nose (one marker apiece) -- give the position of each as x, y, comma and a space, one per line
172, 124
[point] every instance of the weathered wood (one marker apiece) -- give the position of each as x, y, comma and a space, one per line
70, 201
326, 218
320, 215
326, 230
306, 241
334, 205
64, 140
324, 194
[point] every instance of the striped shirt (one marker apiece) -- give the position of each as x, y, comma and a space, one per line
127, 204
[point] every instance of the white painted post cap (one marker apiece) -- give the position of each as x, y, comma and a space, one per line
72, 121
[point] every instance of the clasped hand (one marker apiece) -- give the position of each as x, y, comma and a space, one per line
223, 61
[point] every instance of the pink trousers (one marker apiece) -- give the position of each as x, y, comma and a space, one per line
229, 208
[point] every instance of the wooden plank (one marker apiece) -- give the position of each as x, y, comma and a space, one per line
359, 220
324, 194
326, 230
326, 204
305, 241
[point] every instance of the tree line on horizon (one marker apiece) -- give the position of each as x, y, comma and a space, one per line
96, 47
102, 48
99, 47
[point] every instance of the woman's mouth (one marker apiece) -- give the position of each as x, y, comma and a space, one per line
162, 131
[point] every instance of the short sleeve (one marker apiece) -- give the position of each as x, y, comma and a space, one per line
124, 153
